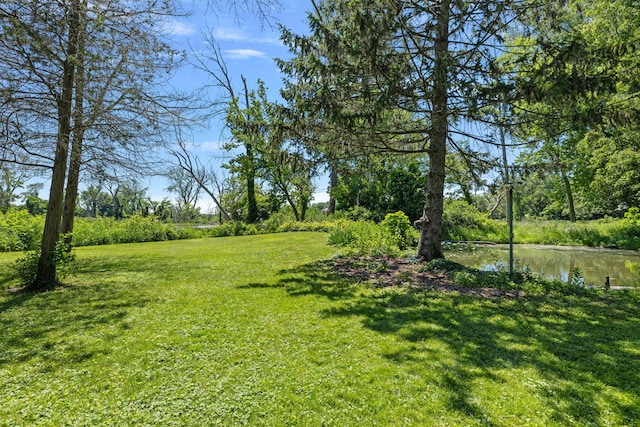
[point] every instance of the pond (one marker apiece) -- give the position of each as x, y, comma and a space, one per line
558, 262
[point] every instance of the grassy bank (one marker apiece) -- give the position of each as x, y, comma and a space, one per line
608, 232
258, 330
464, 222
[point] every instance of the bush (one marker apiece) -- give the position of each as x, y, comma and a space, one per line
364, 238
232, 228
324, 226
399, 228
356, 213
273, 223
103, 231
20, 231
342, 233
26, 268
627, 234
461, 221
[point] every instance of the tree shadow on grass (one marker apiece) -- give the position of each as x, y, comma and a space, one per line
68, 325
318, 278
583, 349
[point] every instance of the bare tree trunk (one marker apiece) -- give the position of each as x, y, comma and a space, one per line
567, 187
46, 274
495, 206
252, 204
71, 193
333, 183
430, 244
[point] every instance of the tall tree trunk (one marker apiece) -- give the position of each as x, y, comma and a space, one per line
71, 193
252, 204
304, 205
567, 187
333, 183
430, 244
46, 274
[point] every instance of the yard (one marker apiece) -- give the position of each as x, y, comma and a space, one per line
264, 330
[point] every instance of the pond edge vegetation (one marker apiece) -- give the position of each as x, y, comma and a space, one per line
394, 238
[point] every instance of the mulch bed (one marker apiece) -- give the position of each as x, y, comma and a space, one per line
385, 271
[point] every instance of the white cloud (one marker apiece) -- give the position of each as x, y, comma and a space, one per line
231, 34
178, 28
244, 53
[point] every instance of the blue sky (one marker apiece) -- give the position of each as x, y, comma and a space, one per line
249, 48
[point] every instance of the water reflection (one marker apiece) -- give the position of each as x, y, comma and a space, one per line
554, 262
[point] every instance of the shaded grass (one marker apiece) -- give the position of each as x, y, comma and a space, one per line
260, 330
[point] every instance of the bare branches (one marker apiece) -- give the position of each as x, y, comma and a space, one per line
194, 168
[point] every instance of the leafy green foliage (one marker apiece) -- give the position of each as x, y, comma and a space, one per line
398, 226
232, 228
104, 231
62, 258
369, 238
379, 185
462, 221
20, 231
627, 233
623, 234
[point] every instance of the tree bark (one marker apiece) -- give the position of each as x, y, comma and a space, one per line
71, 193
567, 187
46, 274
252, 204
333, 183
430, 224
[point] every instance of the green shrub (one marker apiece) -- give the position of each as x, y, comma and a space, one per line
363, 238
232, 228
626, 234
632, 215
306, 226
356, 213
274, 222
64, 260
400, 230
342, 233
103, 231
465, 278
20, 231
461, 221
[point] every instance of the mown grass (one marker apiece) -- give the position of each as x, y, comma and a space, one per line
258, 330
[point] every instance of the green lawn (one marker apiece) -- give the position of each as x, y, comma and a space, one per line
257, 330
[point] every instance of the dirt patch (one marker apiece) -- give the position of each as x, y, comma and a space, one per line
385, 271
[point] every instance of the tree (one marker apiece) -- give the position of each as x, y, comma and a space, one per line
272, 153
608, 173
367, 65
286, 167
206, 179
11, 179
89, 70
383, 184
95, 201
465, 171
34, 204
576, 75
248, 127
184, 186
